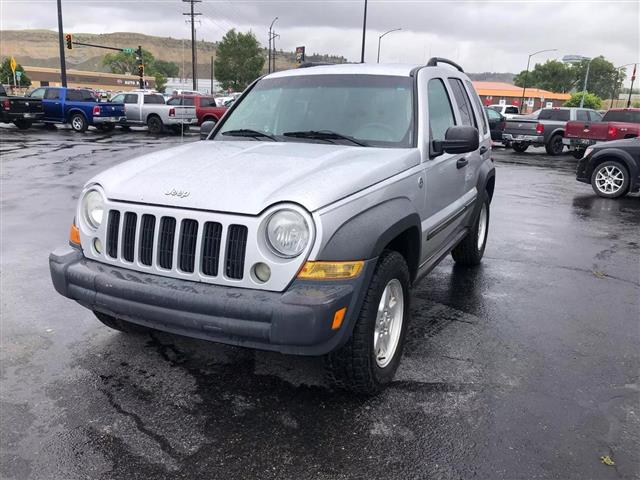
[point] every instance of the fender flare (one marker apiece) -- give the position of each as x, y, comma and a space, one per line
73, 111
613, 153
365, 235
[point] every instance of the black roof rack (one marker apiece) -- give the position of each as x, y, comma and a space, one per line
434, 61
313, 64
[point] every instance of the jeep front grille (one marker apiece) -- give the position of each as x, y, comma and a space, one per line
198, 246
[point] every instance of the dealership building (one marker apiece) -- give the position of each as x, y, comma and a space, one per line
506, 94
50, 77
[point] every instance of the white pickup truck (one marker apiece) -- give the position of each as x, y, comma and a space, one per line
143, 107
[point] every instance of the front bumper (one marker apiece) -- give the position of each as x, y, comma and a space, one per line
296, 321
106, 120
508, 137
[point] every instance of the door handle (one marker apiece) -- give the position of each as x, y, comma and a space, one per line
483, 150
462, 162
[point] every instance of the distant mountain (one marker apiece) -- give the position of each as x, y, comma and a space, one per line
39, 48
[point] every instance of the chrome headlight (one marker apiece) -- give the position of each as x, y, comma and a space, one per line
92, 208
287, 233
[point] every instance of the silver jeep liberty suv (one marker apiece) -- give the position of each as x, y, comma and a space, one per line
300, 223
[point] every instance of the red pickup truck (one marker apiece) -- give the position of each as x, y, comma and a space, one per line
206, 108
617, 123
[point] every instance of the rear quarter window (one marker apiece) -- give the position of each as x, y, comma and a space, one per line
154, 99
554, 114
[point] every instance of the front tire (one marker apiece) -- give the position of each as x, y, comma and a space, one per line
554, 146
370, 358
610, 179
78, 123
121, 325
520, 147
470, 250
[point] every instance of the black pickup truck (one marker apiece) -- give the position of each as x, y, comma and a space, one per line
21, 111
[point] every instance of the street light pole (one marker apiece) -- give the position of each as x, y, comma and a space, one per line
633, 79
526, 74
380, 38
364, 30
586, 79
63, 62
270, 40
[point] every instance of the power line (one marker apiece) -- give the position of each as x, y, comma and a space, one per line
194, 62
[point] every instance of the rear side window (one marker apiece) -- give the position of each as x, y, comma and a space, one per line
74, 95
52, 94
462, 101
188, 101
440, 110
87, 96
154, 99
554, 114
511, 110
131, 98
208, 102
479, 108
581, 116
493, 115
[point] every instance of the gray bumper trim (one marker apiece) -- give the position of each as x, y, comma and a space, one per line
297, 321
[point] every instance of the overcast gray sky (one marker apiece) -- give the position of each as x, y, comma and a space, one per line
482, 35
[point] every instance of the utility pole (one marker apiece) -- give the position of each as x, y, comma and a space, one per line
140, 67
63, 63
194, 65
211, 75
364, 30
273, 55
633, 79
270, 43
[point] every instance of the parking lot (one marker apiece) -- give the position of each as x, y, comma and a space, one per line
524, 368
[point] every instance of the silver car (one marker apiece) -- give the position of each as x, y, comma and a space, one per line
301, 222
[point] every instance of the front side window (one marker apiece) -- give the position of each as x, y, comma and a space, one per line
440, 110
118, 98
463, 103
154, 99
130, 98
38, 93
174, 101
374, 110
52, 94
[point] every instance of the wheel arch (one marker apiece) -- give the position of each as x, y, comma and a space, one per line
393, 224
616, 155
152, 114
73, 111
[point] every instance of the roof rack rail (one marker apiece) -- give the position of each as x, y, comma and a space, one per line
434, 61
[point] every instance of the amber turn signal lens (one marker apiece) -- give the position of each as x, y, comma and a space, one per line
330, 270
338, 318
74, 234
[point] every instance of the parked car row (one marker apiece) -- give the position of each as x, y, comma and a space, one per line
555, 128
80, 109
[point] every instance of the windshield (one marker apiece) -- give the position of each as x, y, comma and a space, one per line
374, 110
626, 116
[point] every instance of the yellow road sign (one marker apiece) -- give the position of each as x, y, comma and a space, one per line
13, 64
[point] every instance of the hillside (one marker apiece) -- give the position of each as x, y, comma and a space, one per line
39, 48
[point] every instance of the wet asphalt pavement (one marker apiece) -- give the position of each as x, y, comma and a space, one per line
524, 368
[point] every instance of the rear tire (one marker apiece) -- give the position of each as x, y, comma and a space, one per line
155, 125
470, 250
520, 147
610, 179
22, 124
370, 358
121, 325
554, 146
78, 123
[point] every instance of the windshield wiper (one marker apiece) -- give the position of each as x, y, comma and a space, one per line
246, 132
323, 135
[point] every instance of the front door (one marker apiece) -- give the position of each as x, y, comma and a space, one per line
444, 174
52, 104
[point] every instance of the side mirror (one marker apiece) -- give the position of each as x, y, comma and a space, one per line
458, 139
205, 129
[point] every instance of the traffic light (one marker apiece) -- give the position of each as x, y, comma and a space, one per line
69, 39
141, 70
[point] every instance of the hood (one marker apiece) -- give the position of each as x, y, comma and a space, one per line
247, 176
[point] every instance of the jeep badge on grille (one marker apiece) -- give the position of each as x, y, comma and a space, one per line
177, 193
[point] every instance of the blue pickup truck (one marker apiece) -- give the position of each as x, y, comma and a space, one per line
79, 108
